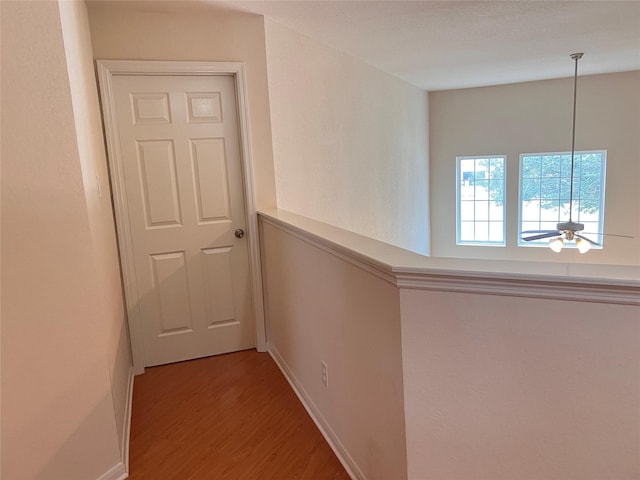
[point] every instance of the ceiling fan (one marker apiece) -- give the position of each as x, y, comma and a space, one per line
569, 230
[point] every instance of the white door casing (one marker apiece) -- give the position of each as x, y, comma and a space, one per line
169, 170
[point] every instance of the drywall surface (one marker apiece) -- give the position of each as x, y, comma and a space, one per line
322, 308
502, 388
188, 31
58, 411
501, 380
536, 117
350, 143
86, 108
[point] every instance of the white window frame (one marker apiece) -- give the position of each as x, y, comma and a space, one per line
483, 243
603, 172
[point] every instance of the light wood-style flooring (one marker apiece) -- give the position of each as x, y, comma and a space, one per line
231, 417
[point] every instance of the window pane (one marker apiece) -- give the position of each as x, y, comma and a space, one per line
482, 211
530, 188
590, 164
482, 231
590, 190
590, 231
565, 188
530, 211
531, 167
466, 231
591, 227
550, 187
548, 225
575, 210
496, 189
565, 166
466, 210
467, 166
545, 199
564, 209
482, 190
482, 170
550, 214
496, 168
466, 191
528, 226
496, 211
480, 199
593, 219
551, 166
594, 238
496, 231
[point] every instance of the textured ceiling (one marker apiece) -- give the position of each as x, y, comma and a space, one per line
455, 44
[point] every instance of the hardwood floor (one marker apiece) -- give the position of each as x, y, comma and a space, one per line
231, 416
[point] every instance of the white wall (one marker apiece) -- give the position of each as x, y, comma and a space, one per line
188, 31
536, 117
495, 386
349, 141
59, 300
93, 162
507, 388
322, 308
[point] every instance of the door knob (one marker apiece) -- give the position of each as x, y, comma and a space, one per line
239, 233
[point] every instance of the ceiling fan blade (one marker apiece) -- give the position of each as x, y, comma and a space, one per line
608, 234
549, 234
538, 231
587, 240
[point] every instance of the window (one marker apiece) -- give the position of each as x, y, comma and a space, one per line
545, 186
480, 200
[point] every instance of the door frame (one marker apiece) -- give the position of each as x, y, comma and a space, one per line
107, 69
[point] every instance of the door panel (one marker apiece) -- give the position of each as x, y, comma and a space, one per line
210, 177
157, 164
172, 293
219, 286
178, 139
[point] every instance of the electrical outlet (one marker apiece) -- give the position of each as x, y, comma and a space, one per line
325, 374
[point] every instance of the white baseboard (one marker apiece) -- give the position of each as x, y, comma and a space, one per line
126, 428
117, 472
121, 470
325, 429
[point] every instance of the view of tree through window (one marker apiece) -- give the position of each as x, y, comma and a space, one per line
480, 197
545, 190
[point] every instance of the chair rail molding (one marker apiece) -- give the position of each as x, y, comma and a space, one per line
408, 270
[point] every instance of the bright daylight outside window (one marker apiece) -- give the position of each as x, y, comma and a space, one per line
545, 186
480, 194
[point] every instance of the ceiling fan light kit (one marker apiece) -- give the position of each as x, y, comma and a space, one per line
556, 244
583, 246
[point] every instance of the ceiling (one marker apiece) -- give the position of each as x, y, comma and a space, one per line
440, 45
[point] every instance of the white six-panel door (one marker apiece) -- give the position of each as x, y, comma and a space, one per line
179, 148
